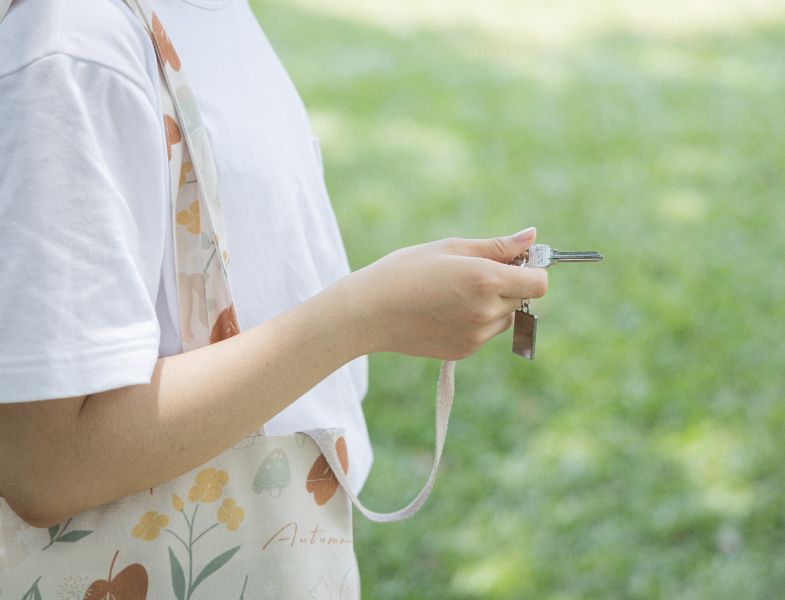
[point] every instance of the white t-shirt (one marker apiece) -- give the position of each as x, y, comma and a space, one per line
87, 283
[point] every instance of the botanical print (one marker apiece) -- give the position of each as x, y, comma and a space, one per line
129, 584
190, 118
57, 533
149, 525
189, 218
207, 488
225, 325
273, 474
187, 174
164, 44
242, 592
173, 135
349, 587
33, 593
321, 481
72, 587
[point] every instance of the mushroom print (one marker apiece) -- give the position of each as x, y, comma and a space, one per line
273, 474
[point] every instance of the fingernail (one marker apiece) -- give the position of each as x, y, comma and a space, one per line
525, 233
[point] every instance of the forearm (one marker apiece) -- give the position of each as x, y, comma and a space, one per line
198, 404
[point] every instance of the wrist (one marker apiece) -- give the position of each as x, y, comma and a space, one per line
345, 314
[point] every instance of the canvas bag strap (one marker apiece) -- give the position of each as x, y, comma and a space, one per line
200, 241
445, 389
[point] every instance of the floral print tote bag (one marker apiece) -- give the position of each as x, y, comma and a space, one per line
270, 517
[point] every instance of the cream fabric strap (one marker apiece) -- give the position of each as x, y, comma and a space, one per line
197, 143
445, 389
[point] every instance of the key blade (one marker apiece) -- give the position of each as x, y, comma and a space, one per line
588, 256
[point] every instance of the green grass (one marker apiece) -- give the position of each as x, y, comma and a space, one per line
642, 455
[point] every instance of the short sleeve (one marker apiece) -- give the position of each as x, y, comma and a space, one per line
82, 230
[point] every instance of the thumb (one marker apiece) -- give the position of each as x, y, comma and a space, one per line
502, 249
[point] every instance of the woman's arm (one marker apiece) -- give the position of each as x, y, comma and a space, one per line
444, 300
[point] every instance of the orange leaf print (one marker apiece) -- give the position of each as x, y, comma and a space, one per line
190, 218
164, 44
173, 135
130, 584
321, 481
225, 325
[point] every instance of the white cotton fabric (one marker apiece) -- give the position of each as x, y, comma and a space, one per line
87, 283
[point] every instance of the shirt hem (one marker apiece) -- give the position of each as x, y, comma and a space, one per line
72, 375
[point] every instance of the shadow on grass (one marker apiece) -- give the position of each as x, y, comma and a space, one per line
640, 455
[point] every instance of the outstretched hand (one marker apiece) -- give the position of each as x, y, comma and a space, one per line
444, 299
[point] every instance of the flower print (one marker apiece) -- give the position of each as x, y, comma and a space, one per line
190, 218
209, 485
231, 514
149, 525
177, 503
72, 587
186, 173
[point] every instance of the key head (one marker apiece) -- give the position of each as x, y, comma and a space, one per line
539, 255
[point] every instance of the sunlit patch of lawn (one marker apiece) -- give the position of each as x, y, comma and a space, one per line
640, 455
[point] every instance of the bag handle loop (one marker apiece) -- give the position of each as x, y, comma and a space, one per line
445, 390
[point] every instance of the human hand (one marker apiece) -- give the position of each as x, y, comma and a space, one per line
443, 299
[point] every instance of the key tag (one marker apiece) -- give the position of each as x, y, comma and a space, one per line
524, 333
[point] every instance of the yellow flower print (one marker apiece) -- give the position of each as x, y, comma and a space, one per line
231, 514
149, 525
185, 173
209, 485
190, 218
177, 502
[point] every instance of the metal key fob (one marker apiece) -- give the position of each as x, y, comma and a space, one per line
524, 332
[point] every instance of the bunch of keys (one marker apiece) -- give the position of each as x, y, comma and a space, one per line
524, 333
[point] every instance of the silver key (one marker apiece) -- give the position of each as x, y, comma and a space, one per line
543, 256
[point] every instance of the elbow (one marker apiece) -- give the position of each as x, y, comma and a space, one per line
42, 520
36, 513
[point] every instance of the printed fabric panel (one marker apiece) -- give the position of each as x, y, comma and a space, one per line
265, 519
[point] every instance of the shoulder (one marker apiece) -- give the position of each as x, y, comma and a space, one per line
101, 32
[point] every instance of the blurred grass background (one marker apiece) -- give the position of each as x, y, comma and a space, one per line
642, 455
